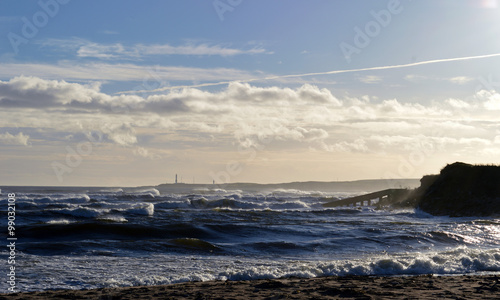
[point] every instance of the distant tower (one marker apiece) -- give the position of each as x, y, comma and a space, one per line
175, 178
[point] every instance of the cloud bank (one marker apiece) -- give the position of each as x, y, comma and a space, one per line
307, 116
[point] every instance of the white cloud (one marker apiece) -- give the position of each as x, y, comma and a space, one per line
143, 152
71, 70
85, 48
370, 79
121, 134
491, 99
19, 139
200, 49
242, 114
474, 142
461, 79
457, 103
358, 145
415, 78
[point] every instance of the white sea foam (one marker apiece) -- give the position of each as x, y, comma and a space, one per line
289, 205
59, 221
149, 191
142, 209
66, 198
105, 271
83, 212
113, 218
296, 193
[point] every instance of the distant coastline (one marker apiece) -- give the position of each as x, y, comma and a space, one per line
369, 185
364, 185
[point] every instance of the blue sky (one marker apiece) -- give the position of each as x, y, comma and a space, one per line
132, 93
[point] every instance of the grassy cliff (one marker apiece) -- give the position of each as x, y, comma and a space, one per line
460, 190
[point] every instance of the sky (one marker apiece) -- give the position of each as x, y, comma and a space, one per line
130, 93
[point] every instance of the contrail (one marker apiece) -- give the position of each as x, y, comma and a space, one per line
318, 73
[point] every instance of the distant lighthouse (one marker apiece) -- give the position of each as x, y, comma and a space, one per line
175, 178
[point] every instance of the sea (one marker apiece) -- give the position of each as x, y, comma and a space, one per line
83, 238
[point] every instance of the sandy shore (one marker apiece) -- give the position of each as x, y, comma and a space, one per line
349, 287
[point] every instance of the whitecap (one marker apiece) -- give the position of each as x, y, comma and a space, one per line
59, 221
146, 209
82, 212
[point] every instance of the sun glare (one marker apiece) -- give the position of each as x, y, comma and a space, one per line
489, 3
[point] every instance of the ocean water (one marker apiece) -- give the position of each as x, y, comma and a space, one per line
80, 238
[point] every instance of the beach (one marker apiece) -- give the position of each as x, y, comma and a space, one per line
334, 287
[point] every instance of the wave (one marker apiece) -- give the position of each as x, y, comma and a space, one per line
185, 203
59, 221
296, 193
457, 261
146, 209
83, 212
110, 228
143, 191
168, 269
223, 203
113, 218
194, 243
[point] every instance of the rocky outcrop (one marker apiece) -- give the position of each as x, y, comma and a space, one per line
460, 190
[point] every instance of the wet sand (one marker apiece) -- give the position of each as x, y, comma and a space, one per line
347, 287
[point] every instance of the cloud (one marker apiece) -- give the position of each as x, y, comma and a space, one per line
200, 49
19, 139
143, 152
457, 103
461, 79
243, 115
358, 145
334, 72
122, 134
158, 75
415, 78
490, 99
33, 92
85, 48
370, 79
